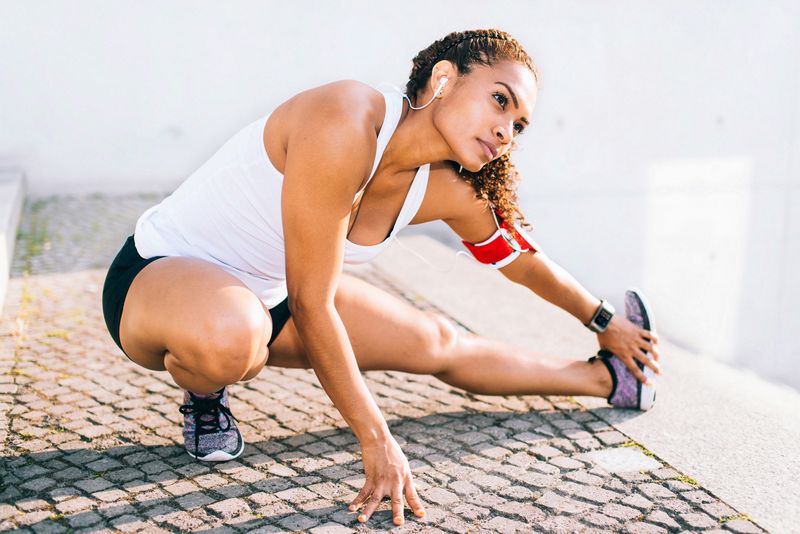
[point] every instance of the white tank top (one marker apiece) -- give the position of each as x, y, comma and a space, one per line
228, 212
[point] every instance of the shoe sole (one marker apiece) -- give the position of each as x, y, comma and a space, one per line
647, 395
219, 456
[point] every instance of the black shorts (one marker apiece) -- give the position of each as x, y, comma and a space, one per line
123, 270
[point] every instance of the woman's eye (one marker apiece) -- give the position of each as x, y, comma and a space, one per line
519, 128
501, 99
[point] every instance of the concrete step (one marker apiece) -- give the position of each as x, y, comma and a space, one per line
12, 199
732, 431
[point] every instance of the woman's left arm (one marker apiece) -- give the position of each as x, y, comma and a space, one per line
454, 201
546, 278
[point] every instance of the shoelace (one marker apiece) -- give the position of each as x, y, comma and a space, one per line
200, 407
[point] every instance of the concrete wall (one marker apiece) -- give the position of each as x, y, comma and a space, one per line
663, 153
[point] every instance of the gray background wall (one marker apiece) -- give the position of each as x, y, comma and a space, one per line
663, 153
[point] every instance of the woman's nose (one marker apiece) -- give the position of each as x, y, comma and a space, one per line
502, 134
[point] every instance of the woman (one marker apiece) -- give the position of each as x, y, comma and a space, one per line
241, 265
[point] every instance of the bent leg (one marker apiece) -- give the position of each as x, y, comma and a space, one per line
388, 334
195, 320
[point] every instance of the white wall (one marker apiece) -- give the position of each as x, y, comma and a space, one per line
663, 153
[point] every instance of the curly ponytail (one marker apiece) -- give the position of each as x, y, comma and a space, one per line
496, 181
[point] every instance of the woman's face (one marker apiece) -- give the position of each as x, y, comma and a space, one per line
482, 113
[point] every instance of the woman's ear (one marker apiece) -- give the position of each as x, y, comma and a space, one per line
443, 73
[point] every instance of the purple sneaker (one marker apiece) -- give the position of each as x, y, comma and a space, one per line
638, 311
627, 391
209, 431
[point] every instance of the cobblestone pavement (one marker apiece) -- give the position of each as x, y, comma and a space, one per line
92, 442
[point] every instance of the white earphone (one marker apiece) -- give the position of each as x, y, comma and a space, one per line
436, 93
442, 83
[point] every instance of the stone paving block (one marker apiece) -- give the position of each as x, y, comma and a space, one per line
644, 528
567, 463
110, 495
697, 496
559, 524
191, 501
620, 511
183, 521
655, 491
77, 504
698, 520
538, 480
331, 528
588, 493
32, 518
272, 485
518, 493
38, 484
663, 519
440, 497
298, 522
562, 505
522, 510
181, 488
124, 475
231, 490
84, 520
676, 506
585, 478
718, 510
544, 452
296, 495
91, 485
6, 511
27, 505
490, 482
462, 487
742, 526
230, 508
601, 520
637, 501
505, 525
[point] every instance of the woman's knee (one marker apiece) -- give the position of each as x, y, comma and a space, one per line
443, 338
225, 350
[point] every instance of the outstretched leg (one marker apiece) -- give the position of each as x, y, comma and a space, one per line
389, 334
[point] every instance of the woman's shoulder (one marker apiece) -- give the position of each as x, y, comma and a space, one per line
346, 114
350, 102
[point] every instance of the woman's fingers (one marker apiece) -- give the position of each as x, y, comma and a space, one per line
374, 498
372, 504
397, 504
646, 348
634, 369
655, 352
362, 496
412, 498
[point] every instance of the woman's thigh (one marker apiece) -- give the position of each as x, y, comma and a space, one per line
386, 333
190, 308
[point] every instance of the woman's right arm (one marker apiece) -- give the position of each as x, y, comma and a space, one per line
329, 151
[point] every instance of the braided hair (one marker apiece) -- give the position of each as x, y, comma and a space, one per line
496, 181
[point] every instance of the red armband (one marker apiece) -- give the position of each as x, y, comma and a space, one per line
502, 247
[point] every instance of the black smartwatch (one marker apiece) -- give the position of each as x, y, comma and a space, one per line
601, 317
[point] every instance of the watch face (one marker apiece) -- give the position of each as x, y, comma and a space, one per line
603, 317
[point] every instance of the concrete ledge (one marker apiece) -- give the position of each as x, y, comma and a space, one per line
12, 198
734, 432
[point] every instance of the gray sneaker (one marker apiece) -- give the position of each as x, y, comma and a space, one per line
209, 431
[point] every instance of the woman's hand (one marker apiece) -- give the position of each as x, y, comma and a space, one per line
631, 343
387, 473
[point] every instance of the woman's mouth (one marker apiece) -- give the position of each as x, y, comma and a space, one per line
488, 150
